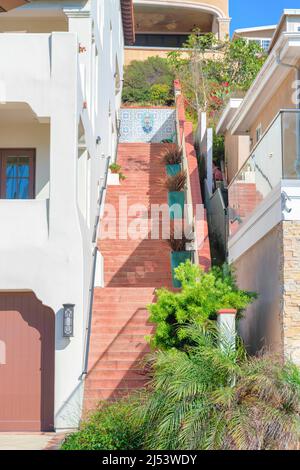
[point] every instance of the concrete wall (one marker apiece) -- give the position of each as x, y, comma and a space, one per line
237, 150
261, 33
272, 269
259, 270
281, 99
34, 25
132, 53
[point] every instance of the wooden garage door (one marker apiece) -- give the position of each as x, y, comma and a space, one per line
27, 332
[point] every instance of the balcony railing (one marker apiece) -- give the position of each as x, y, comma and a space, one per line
275, 157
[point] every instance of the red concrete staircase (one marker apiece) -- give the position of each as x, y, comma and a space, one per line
133, 269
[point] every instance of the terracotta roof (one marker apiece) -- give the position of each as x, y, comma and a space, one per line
128, 21
6, 5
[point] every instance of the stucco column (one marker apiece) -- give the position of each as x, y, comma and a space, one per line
227, 328
80, 22
223, 28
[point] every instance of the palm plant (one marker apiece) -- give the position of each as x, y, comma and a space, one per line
217, 398
172, 155
176, 182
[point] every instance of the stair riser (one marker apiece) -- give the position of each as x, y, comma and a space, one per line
134, 269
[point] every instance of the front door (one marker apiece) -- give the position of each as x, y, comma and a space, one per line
17, 168
27, 347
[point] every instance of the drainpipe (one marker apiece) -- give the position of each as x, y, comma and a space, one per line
297, 70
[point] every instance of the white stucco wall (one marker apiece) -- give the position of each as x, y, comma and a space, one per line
52, 253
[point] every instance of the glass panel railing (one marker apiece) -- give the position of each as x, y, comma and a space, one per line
261, 173
275, 157
291, 144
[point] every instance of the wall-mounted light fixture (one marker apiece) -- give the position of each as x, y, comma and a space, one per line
68, 320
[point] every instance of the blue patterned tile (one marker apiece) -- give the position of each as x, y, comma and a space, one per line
147, 125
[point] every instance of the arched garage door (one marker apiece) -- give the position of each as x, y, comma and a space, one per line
27, 345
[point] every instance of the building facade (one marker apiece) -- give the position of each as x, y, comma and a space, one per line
237, 147
164, 25
60, 94
262, 35
264, 197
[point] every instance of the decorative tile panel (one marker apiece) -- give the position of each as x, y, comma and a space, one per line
149, 125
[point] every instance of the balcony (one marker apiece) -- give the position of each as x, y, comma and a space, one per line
276, 157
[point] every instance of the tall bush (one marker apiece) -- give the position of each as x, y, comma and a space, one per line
201, 296
211, 70
148, 82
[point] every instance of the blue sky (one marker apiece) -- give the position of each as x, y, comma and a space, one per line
258, 12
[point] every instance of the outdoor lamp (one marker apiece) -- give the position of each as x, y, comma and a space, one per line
68, 320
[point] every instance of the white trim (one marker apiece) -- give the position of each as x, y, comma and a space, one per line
224, 20
226, 116
286, 12
266, 216
262, 88
197, 6
72, 13
258, 28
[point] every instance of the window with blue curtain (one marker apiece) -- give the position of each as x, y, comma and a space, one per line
17, 177
17, 174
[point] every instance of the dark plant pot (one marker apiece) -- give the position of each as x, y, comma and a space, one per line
177, 258
176, 199
173, 170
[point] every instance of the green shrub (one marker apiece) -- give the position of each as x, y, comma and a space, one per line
212, 398
160, 94
148, 82
117, 169
111, 427
201, 296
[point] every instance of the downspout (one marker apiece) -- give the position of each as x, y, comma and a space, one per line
297, 70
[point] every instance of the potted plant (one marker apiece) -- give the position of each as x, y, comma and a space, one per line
115, 175
173, 158
175, 185
179, 254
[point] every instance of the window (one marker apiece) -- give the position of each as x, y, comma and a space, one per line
17, 174
161, 40
263, 43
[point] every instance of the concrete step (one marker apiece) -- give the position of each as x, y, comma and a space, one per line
93, 386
